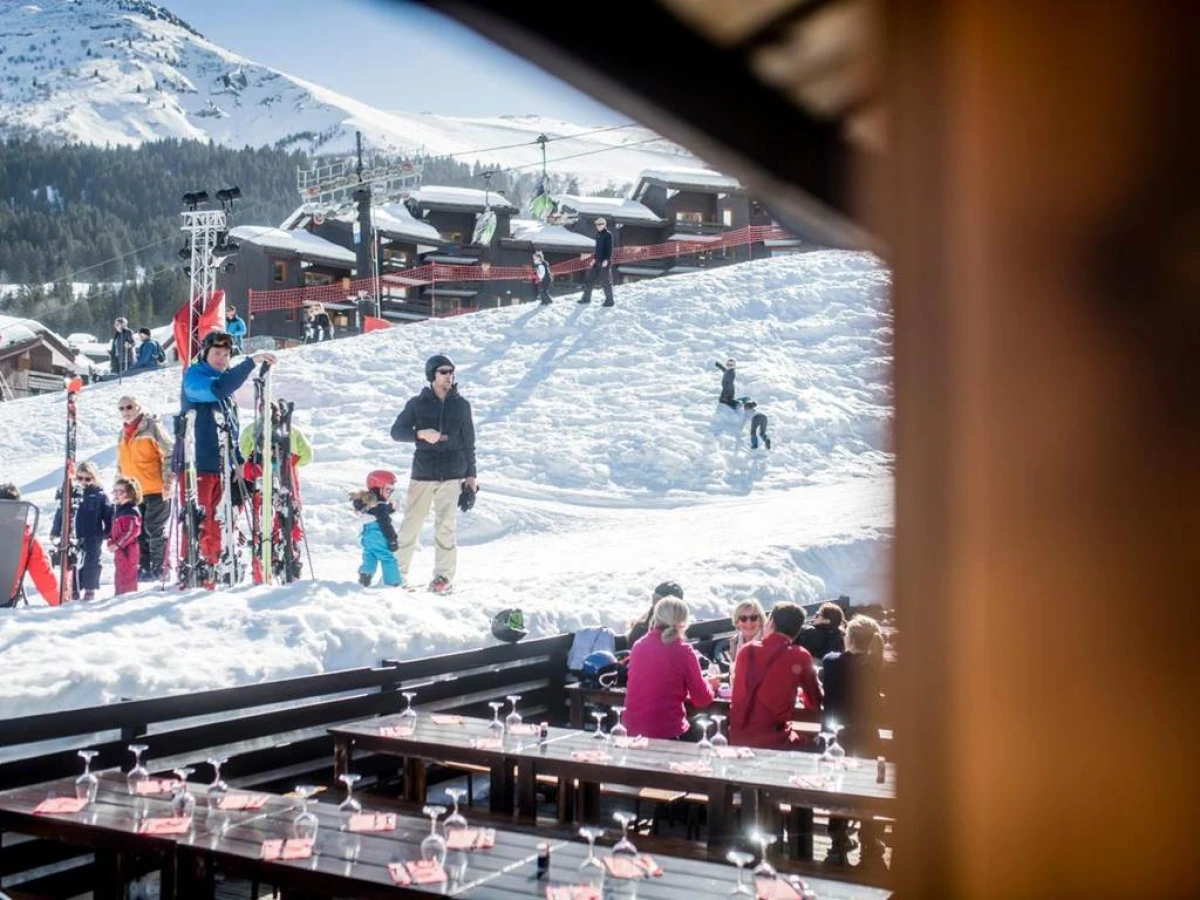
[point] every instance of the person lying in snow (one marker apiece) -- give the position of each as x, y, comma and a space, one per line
758, 424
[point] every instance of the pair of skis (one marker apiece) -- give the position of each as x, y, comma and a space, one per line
68, 555
276, 520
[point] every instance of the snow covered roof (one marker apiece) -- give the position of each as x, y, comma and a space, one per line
695, 238
394, 219
617, 208
469, 198
301, 243
14, 330
545, 235
687, 178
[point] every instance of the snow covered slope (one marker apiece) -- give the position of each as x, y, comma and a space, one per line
605, 463
128, 71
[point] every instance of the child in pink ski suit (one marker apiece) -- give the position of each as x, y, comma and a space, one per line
123, 535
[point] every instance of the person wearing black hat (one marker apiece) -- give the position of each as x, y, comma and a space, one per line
208, 388
639, 627
438, 422
601, 265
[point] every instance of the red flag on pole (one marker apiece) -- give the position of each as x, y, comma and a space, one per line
205, 316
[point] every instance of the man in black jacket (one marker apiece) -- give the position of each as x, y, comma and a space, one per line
601, 265
438, 421
824, 633
729, 373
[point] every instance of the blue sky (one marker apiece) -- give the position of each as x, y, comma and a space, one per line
383, 56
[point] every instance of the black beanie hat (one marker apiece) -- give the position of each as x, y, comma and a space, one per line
434, 363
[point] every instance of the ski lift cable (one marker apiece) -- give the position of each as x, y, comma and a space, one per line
561, 137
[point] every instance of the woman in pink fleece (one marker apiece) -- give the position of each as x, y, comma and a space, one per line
664, 672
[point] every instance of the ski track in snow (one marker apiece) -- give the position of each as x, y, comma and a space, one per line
605, 465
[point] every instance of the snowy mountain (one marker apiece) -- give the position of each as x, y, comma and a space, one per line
128, 71
606, 466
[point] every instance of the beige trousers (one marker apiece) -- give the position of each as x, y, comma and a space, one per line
443, 497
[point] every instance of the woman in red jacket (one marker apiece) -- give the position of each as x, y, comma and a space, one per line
664, 673
124, 533
33, 559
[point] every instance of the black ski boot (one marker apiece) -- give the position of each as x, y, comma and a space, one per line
364, 579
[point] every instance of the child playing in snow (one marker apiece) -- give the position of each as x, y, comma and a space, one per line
758, 424
729, 373
124, 533
93, 517
378, 538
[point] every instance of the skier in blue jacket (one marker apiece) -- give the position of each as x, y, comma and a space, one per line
208, 388
235, 327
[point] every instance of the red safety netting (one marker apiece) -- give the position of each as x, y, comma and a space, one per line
432, 273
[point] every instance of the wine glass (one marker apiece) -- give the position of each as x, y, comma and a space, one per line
456, 821
138, 773
826, 762
705, 746
349, 806
305, 825
183, 801
624, 847
433, 847
835, 750
218, 788
589, 833
87, 784
719, 739
514, 717
599, 715
496, 727
619, 730
764, 869
741, 859
409, 715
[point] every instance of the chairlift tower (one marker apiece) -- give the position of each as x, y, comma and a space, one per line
350, 182
206, 252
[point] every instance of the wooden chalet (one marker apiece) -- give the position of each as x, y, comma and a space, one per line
275, 259
33, 359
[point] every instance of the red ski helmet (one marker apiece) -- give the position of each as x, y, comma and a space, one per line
380, 478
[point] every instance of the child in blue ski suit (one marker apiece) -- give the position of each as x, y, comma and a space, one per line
93, 515
378, 539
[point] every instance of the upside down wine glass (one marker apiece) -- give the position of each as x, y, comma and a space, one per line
218, 788
513, 718
87, 784
618, 731
456, 821
349, 806
764, 869
183, 801
433, 847
495, 727
138, 774
599, 715
305, 825
624, 847
719, 739
409, 716
705, 746
741, 859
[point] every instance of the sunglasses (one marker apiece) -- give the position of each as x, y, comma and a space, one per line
753, 617
84, 479
445, 371
129, 406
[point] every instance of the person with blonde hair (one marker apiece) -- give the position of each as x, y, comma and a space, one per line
124, 533
852, 687
92, 521
748, 619
664, 675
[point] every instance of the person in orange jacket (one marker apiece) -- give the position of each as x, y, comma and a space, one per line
144, 453
33, 559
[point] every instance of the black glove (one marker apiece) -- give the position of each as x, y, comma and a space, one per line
466, 498
393, 544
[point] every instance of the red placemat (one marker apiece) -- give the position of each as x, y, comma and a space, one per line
692, 767
524, 729
396, 731
446, 719
487, 743
165, 825
472, 839
631, 743
369, 821
733, 752
423, 871
572, 892
292, 848
631, 867
156, 786
59, 805
776, 889
591, 756
237, 802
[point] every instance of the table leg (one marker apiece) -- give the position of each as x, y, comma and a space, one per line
720, 812
341, 757
527, 797
568, 801
800, 830
500, 800
577, 709
110, 884
414, 779
589, 801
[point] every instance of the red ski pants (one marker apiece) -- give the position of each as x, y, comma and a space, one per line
208, 494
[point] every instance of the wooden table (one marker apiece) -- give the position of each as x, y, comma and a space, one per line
762, 781
107, 826
579, 696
